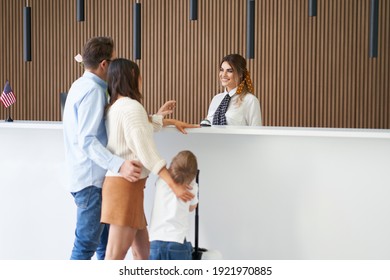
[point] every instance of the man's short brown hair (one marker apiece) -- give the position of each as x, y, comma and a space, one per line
96, 50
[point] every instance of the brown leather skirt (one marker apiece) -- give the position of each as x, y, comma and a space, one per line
123, 202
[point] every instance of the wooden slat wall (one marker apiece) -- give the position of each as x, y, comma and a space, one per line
307, 71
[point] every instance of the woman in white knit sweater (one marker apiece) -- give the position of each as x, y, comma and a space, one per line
130, 135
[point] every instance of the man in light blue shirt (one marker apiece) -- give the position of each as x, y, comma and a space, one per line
85, 140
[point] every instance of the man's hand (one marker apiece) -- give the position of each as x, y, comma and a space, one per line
167, 108
131, 170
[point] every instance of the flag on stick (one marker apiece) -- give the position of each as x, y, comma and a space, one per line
7, 97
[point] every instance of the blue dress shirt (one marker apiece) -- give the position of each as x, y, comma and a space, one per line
85, 137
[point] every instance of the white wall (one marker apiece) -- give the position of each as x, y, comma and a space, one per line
36, 211
264, 194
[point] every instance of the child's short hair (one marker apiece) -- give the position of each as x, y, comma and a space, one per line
184, 167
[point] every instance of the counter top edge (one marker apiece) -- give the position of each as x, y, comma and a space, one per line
243, 130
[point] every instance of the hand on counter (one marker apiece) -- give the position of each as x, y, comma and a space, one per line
181, 126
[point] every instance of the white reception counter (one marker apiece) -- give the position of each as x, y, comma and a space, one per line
265, 193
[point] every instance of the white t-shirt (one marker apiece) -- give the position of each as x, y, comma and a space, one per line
170, 215
247, 113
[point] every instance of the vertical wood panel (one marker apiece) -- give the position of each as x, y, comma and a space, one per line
307, 71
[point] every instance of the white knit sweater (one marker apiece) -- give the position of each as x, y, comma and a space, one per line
130, 135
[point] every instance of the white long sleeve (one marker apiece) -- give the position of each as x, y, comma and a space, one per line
130, 135
245, 113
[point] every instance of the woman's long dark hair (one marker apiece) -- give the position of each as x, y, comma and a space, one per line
122, 79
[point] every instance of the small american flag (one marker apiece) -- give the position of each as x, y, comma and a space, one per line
7, 97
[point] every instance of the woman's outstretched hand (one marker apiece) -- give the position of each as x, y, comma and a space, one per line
181, 126
182, 192
167, 108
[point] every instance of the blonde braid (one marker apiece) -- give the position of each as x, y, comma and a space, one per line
248, 82
244, 87
240, 87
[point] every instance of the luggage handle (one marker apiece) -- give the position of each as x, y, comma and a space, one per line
197, 218
197, 252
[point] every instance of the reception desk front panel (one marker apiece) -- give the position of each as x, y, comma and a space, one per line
265, 193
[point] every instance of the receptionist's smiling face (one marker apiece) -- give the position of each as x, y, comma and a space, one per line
228, 76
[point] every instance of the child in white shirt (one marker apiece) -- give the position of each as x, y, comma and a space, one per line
169, 224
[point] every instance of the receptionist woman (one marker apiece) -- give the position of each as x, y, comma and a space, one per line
236, 105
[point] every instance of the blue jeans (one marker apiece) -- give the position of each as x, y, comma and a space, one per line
90, 235
163, 250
